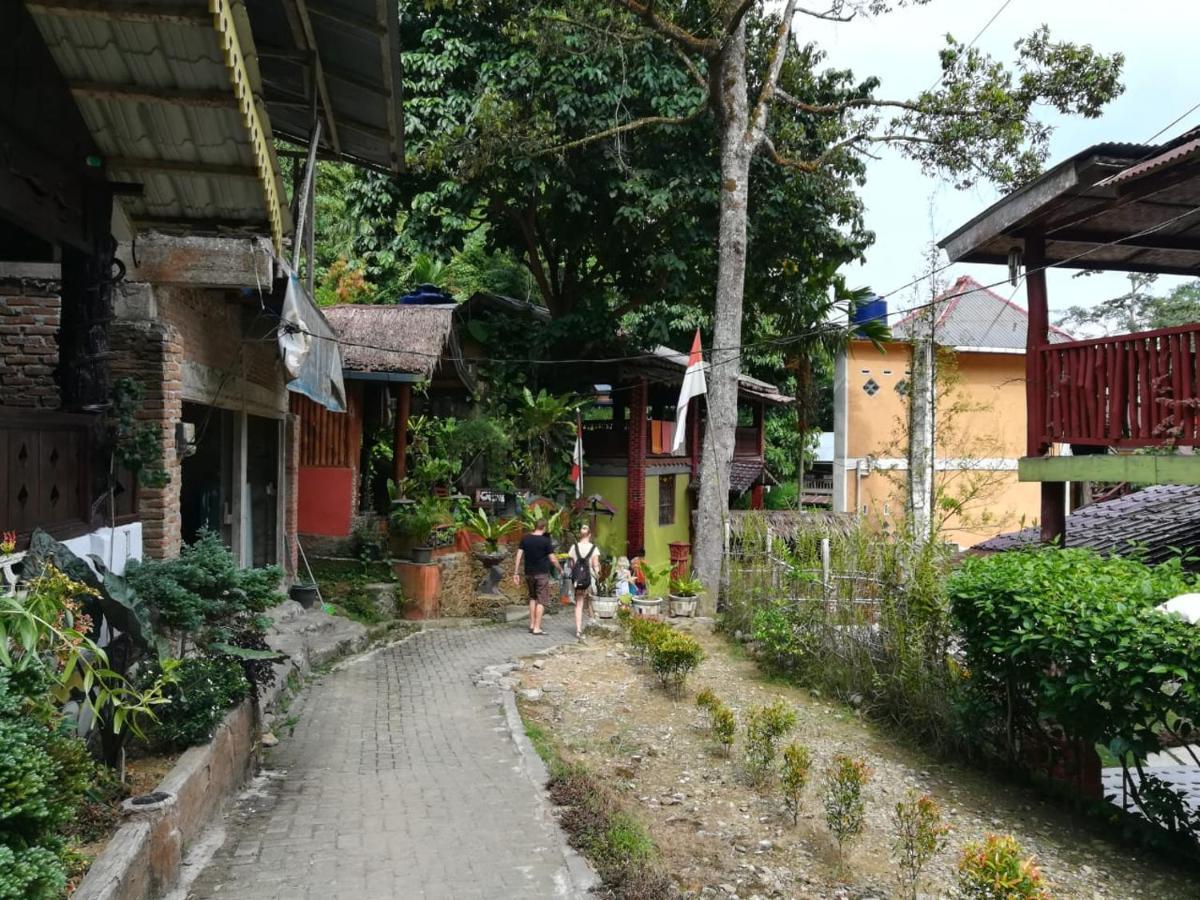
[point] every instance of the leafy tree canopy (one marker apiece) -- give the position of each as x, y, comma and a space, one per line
1138, 309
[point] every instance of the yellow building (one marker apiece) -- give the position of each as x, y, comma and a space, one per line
979, 419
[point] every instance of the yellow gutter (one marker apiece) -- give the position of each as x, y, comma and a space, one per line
235, 61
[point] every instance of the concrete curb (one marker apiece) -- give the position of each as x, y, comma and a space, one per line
578, 879
145, 857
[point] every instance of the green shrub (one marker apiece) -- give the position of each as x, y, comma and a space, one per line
44, 773
797, 764
1067, 639
207, 688
845, 807
765, 725
203, 588
674, 656
645, 633
996, 870
920, 835
724, 727
707, 700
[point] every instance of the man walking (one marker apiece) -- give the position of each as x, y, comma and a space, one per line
537, 551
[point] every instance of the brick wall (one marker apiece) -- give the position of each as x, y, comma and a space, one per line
152, 353
28, 347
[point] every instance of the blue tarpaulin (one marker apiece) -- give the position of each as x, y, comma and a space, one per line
310, 350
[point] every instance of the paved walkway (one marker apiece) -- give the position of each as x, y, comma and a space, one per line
401, 781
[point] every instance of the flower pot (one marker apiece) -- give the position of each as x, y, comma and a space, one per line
683, 606
605, 607
422, 555
490, 558
644, 606
304, 594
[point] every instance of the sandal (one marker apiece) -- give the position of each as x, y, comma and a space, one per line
537, 632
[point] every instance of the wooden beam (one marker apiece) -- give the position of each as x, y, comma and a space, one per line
1144, 242
162, 13
135, 93
309, 37
400, 437
389, 50
179, 167
347, 18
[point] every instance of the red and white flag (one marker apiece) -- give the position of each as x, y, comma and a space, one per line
693, 386
577, 457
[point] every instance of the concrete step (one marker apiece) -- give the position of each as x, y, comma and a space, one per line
511, 613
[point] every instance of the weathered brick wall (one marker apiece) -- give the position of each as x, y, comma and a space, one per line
28, 347
152, 353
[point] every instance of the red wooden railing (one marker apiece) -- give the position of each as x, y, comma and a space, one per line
1132, 390
745, 441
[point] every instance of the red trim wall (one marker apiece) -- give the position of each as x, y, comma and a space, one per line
326, 500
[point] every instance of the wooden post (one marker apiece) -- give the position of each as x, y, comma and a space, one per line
635, 469
1054, 497
400, 440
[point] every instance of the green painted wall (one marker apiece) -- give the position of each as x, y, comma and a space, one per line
610, 530
659, 536
1132, 469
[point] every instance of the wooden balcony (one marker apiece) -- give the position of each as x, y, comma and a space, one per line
1127, 391
745, 441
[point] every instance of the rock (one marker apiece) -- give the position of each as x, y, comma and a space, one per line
554, 687
766, 845
539, 664
533, 695
269, 739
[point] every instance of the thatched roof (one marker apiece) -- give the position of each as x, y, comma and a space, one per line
391, 338
788, 523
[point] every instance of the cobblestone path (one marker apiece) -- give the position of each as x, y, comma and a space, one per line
401, 781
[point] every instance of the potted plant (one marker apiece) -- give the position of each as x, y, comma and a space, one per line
651, 603
685, 594
417, 522
604, 594
489, 530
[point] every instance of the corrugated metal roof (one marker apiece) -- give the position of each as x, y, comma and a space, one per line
1155, 523
349, 52
159, 99
970, 315
1180, 149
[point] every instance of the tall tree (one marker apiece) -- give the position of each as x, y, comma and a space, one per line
1137, 309
977, 122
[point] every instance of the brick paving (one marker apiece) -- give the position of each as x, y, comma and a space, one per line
401, 781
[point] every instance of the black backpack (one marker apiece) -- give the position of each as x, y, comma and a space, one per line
581, 572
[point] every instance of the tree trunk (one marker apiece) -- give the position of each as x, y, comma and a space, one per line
737, 148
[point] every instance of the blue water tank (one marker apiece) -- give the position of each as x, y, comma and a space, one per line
425, 295
874, 309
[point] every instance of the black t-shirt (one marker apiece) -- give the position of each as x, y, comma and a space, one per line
537, 549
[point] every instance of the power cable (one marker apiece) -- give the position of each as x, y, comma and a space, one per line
974, 40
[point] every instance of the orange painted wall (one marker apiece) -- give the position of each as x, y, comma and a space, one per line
987, 422
326, 499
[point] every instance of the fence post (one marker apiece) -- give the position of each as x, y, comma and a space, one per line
826, 575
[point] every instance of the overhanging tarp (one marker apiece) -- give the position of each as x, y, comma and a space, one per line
310, 350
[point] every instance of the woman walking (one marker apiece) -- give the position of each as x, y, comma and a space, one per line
585, 566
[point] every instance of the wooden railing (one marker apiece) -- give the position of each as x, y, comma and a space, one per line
745, 441
1132, 390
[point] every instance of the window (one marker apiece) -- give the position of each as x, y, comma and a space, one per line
666, 499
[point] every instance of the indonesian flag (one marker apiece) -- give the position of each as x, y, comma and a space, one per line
693, 386
577, 457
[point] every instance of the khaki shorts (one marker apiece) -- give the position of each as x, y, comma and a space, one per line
539, 588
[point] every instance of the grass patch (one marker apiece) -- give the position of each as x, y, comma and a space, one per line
616, 841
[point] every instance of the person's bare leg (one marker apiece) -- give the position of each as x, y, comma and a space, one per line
539, 611
578, 617
533, 625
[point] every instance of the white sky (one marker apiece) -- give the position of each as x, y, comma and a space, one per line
1158, 38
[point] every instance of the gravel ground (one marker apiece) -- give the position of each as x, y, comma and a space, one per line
722, 838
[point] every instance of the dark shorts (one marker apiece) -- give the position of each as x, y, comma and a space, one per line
539, 588
581, 594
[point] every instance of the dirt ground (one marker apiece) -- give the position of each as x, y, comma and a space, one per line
721, 838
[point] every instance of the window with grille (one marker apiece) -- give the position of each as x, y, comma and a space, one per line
666, 499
